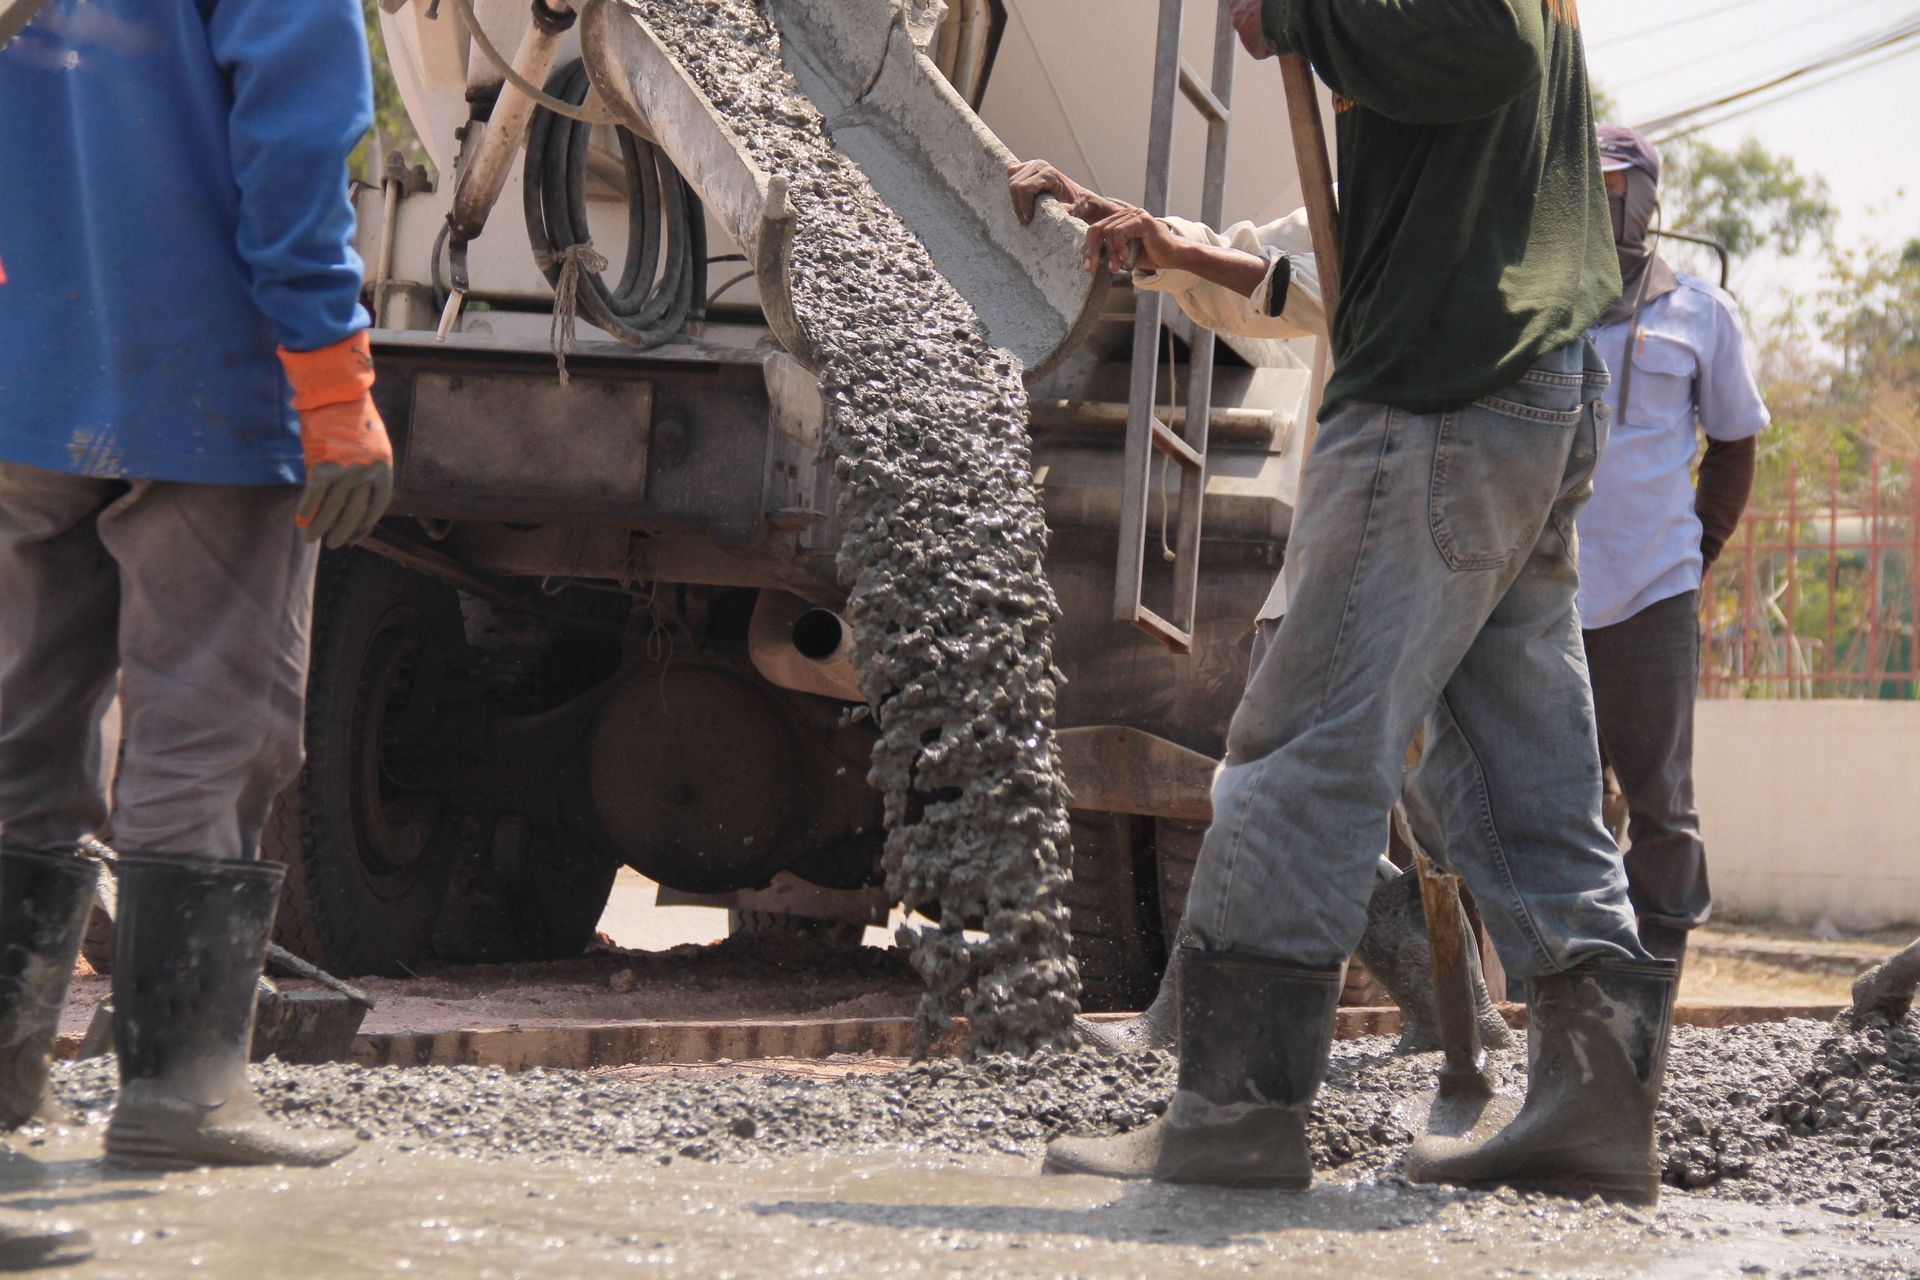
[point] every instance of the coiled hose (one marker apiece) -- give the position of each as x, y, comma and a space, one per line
663, 282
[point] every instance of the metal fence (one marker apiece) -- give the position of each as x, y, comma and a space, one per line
1819, 600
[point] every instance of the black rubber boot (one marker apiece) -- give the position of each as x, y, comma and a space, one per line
1395, 950
1596, 1055
45, 894
1664, 941
1254, 1037
29, 1241
188, 950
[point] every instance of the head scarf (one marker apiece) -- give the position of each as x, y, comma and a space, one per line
1644, 273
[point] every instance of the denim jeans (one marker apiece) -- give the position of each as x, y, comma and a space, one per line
1431, 577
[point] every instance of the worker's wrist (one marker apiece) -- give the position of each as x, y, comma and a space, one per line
1184, 255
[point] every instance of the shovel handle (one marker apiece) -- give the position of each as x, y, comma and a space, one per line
1316, 175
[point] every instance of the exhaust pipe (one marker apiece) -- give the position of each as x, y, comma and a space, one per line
798, 646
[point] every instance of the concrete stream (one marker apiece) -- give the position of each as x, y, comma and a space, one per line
390, 1212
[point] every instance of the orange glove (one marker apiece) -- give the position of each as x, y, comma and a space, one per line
349, 458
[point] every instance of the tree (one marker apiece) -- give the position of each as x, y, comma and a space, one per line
1747, 198
392, 130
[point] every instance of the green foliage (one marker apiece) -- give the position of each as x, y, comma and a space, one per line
392, 131
1747, 198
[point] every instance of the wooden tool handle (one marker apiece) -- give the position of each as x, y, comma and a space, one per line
1316, 175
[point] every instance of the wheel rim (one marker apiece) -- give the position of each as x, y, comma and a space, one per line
397, 827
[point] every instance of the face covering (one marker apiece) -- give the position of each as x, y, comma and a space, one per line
1645, 273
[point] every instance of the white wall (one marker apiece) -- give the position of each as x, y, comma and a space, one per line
1812, 809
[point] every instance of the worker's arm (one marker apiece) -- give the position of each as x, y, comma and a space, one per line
302, 99
1420, 61
1732, 414
1726, 482
1256, 282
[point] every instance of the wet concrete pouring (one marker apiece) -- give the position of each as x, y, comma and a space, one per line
944, 537
1791, 1149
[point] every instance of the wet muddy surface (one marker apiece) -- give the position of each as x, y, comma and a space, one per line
944, 538
389, 1212
932, 1169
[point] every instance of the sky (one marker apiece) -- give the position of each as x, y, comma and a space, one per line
1861, 133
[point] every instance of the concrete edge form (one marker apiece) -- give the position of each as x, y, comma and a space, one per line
621, 1044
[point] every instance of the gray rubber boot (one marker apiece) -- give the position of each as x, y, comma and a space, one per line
191, 936
1396, 951
1596, 1056
1254, 1038
45, 894
29, 1241
1156, 1028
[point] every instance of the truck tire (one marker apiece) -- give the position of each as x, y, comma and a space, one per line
367, 857
546, 906
1114, 900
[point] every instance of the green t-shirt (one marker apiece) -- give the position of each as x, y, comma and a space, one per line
1474, 227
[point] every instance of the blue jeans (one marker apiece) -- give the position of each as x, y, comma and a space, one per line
1431, 577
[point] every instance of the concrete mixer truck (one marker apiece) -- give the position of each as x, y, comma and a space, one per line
600, 627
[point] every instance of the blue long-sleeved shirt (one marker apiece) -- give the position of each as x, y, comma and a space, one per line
173, 204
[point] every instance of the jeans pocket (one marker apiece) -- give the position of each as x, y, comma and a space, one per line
1499, 466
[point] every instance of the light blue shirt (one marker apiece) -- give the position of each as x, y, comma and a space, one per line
1639, 537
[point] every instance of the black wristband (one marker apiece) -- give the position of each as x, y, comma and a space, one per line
1279, 280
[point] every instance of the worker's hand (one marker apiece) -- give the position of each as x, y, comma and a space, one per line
349, 458
1031, 179
1247, 20
1131, 240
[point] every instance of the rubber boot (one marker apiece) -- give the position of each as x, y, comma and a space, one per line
1254, 1038
1395, 950
1156, 1028
188, 951
1596, 1055
1664, 941
29, 1241
45, 894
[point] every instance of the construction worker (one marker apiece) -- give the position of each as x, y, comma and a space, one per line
184, 414
1431, 582
1649, 534
1257, 282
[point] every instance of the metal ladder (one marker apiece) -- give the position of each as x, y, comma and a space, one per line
1147, 433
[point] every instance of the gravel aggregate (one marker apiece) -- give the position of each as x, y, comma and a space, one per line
1799, 1112
951, 613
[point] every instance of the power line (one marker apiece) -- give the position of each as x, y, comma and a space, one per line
1721, 51
1889, 54
1899, 33
1669, 25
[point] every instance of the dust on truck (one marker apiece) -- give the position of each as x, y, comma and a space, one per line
600, 629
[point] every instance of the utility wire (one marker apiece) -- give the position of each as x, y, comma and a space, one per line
1886, 55
1721, 51
1669, 25
1900, 33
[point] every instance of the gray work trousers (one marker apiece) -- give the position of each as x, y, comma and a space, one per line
194, 603
1645, 670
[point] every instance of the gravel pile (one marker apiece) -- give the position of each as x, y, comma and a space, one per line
1801, 1112
1808, 1112
952, 616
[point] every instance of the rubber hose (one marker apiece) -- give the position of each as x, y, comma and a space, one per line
663, 282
